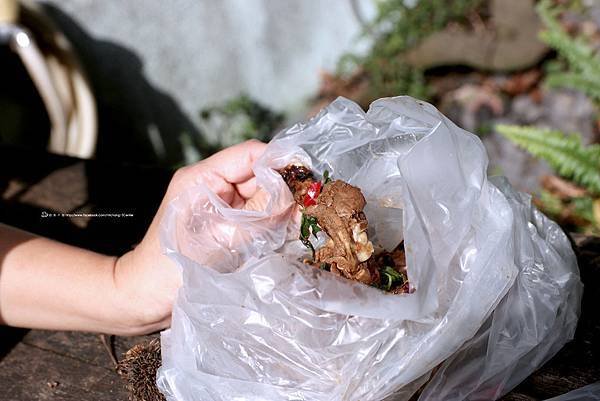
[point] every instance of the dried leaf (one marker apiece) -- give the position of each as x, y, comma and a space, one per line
561, 188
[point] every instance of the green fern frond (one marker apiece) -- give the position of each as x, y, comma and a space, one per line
583, 63
564, 153
589, 86
578, 54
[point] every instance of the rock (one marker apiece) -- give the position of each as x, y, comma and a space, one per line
477, 108
522, 170
509, 43
571, 111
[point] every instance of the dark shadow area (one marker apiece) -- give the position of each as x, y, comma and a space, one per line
136, 122
22, 112
111, 188
10, 337
117, 188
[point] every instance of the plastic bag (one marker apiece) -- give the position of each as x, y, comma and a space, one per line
587, 393
496, 284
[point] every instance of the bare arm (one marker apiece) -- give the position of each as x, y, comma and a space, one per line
46, 284
49, 285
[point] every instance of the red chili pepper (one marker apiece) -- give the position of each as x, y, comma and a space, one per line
313, 192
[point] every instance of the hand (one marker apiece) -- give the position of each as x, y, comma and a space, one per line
147, 279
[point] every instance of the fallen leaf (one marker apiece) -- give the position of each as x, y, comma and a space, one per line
561, 188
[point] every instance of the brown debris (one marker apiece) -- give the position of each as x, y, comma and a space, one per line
564, 209
295, 174
353, 87
523, 82
396, 260
298, 179
138, 368
561, 188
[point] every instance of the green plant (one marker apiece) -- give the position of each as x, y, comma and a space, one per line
581, 65
578, 68
564, 153
397, 28
240, 119
571, 160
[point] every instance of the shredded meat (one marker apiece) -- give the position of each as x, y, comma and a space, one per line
339, 212
338, 209
298, 179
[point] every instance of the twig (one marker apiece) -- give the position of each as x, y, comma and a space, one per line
109, 345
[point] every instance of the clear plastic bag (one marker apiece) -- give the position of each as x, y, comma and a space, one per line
496, 284
587, 393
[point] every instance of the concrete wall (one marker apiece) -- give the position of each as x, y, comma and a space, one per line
156, 63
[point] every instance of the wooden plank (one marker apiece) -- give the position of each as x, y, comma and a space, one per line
32, 374
85, 347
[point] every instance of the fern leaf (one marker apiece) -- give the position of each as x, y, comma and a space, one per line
564, 153
589, 86
580, 56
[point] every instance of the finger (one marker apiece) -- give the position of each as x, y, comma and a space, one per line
247, 189
237, 202
258, 201
234, 164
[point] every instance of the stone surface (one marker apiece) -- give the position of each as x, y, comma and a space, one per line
509, 42
484, 107
564, 110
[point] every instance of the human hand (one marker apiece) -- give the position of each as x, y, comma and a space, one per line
147, 279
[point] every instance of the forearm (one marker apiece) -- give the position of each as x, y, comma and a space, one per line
49, 285
45, 284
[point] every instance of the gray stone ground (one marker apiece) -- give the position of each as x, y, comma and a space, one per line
564, 110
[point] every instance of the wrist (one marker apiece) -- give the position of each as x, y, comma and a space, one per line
139, 304
123, 306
